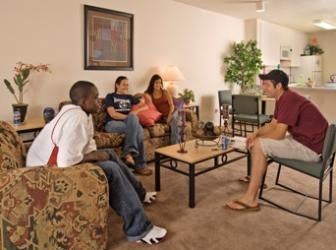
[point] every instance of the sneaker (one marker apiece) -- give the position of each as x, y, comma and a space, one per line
149, 197
143, 171
154, 236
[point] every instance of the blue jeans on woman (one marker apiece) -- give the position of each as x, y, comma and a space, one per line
133, 138
175, 128
126, 196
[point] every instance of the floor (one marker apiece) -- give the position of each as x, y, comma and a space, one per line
210, 226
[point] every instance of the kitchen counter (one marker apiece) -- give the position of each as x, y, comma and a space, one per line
323, 88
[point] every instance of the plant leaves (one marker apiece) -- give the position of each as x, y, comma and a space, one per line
9, 86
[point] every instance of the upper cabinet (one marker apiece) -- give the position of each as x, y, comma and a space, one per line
273, 38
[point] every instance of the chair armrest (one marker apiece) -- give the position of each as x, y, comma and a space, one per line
54, 208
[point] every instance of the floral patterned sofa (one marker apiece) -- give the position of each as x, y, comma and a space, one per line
49, 208
154, 137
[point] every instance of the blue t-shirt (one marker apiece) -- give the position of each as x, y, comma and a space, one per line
121, 103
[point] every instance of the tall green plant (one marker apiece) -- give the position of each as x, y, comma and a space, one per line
243, 65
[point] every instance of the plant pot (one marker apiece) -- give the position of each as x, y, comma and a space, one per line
22, 109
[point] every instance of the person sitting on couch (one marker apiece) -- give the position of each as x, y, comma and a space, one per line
68, 140
121, 119
164, 104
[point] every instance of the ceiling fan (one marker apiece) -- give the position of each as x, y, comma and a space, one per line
260, 4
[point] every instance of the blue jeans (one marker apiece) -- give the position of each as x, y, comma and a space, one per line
133, 138
125, 196
175, 129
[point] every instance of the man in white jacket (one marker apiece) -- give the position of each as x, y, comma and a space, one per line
68, 140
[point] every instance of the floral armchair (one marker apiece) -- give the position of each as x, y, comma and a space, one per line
49, 208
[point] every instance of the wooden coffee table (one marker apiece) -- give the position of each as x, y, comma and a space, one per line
168, 157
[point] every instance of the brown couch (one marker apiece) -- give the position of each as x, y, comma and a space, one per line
154, 137
49, 208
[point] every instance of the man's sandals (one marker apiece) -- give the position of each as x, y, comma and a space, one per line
243, 207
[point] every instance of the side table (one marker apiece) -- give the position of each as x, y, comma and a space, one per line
31, 125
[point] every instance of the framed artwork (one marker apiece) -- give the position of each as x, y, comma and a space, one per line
108, 39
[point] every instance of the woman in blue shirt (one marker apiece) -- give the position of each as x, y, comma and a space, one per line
121, 119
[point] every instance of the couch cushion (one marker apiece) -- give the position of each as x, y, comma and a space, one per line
108, 140
159, 129
12, 151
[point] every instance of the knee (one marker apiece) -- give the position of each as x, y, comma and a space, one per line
257, 149
132, 118
111, 169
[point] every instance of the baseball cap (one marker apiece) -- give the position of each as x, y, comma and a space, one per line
275, 75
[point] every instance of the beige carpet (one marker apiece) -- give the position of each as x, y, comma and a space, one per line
210, 226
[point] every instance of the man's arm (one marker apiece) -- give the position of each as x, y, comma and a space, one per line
272, 130
96, 156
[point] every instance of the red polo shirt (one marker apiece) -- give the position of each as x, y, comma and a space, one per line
305, 122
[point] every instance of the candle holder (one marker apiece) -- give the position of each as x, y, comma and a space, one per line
182, 126
226, 117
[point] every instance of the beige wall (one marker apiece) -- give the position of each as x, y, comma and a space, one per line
166, 32
326, 40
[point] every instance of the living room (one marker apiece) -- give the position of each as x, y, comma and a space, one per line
165, 33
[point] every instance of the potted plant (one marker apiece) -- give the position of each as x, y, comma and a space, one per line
22, 72
187, 96
243, 65
312, 48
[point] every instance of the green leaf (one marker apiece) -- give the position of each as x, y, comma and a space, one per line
25, 73
9, 86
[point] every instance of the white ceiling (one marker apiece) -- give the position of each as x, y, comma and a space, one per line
297, 14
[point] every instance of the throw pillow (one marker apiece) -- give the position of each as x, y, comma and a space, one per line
149, 116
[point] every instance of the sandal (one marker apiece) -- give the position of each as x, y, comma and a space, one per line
244, 207
129, 161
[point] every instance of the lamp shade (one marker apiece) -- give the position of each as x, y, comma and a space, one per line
172, 74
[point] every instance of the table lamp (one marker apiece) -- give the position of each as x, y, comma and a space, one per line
172, 74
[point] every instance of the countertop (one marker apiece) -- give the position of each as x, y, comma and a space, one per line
318, 88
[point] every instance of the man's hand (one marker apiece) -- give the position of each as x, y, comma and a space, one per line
250, 140
102, 156
96, 156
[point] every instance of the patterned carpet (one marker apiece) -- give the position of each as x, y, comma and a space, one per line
210, 226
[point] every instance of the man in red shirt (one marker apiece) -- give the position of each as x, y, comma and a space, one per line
297, 131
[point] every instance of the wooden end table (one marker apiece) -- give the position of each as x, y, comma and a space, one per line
31, 125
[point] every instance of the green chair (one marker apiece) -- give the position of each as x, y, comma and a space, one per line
318, 170
245, 113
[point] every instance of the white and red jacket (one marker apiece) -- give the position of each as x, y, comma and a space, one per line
71, 131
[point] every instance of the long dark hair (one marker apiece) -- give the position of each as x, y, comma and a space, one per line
118, 81
150, 88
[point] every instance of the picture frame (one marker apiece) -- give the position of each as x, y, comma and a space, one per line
108, 39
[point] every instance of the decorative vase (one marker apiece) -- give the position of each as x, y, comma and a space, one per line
48, 114
22, 109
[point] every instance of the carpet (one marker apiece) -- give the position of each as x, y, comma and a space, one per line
210, 226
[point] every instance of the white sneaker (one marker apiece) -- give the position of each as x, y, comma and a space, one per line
154, 236
149, 197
